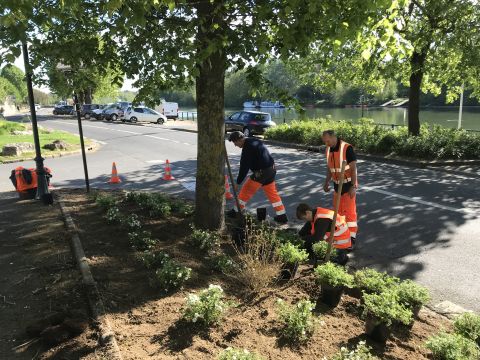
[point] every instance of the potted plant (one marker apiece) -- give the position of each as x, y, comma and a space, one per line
291, 256
413, 295
380, 311
320, 250
468, 325
371, 281
333, 280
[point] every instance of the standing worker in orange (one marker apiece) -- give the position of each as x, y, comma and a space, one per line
256, 157
338, 150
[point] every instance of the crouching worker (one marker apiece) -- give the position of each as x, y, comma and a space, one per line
317, 228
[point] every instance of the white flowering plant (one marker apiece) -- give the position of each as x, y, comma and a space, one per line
298, 322
132, 222
141, 240
206, 308
222, 263
204, 239
153, 259
361, 352
170, 276
113, 215
238, 354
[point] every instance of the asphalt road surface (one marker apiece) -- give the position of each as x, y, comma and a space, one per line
415, 223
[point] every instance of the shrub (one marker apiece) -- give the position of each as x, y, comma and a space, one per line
238, 354
105, 201
157, 204
412, 294
132, 222
386, 308
372, 281
130, 197
286, 236
113, 215
159, 209
141, 240
361, 352
204, 240
152, 259
320, 250
222, 263
333, 275
208, 307
297, 321
452, 347
291, 254
182, 208
258, 261
468, 325
170, 276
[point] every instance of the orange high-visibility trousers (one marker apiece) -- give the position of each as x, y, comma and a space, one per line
348, 208
251, 187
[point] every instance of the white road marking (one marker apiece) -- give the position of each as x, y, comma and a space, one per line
185, 143
155, 161
156, 137
100, 142
414, 199
128, 132
175, 141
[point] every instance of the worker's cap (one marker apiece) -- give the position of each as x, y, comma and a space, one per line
235, 136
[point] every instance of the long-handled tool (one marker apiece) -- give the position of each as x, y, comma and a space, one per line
234, 187
335, 211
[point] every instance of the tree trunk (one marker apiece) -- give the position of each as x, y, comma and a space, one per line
210, 184
88, 96
81, 97
417, 63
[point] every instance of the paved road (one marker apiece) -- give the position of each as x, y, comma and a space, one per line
414, 223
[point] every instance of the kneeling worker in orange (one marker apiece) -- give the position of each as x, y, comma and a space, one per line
338, 150
318, 226
256, 157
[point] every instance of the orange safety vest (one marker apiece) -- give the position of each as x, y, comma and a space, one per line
334, 161
22, 184
341, 237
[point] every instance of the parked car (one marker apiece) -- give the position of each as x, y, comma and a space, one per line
113, 112
63, 110
88, 110
249, 122
169, 109
142, 113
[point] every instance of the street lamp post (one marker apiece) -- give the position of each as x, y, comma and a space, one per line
42, 186
68, 70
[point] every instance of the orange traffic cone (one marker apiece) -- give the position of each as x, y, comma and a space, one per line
228, 194
168, 172
114, 179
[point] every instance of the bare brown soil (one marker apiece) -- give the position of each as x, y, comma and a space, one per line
148, 323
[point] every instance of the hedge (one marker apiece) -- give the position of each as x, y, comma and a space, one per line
434, 142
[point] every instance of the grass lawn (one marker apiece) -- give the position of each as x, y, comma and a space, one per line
46, 136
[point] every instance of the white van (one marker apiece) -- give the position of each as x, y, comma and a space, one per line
169, 109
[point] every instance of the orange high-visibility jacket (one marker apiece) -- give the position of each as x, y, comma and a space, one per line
341, 237
334, 162
22, 183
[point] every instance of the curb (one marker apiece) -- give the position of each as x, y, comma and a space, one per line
94, 146
107, 336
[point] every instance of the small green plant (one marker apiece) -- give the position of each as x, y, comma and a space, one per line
333, 275
182, 208
159, 209
452, 347
222, 263
152, 259
468, 325
386, 307
320, 250
373, 281
208, 307
141, 240
170, 276
130, 197
204, 239
361, 352
238, 354
132, 222
105, 201
113, 215
291, 254
298, 323
286, 236
412, 294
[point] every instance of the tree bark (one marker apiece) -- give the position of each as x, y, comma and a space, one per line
210, 183
417, 63
88, 96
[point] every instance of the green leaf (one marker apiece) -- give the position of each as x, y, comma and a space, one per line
366, 54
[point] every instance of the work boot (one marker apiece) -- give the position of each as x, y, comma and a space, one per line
232, 213
352, 247
341, 258
281, 219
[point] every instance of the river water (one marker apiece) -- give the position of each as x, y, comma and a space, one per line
447, 117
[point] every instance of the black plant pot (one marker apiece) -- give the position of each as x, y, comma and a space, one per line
261, 214
331, 295
377, 330
238, 236
416, 310
354, 292
288, 271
